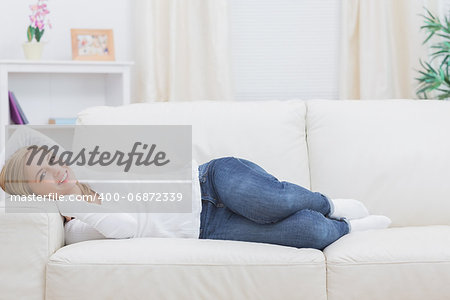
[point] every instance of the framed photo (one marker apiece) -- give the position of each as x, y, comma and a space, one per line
92, 44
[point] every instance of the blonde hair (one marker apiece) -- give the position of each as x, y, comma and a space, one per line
12, 176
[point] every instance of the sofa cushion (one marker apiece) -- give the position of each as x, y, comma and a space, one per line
396, 263
394, 155
163, 268
269, 133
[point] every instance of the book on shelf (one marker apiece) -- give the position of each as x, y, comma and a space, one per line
15, 110
62, 121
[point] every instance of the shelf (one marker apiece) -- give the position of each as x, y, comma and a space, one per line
62, 66
47, 89
65, 62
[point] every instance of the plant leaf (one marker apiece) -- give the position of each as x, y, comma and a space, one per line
30, 33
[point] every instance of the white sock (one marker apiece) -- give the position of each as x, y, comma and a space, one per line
370, 222
348, 208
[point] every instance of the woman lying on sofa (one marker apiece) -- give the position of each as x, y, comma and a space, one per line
233, 199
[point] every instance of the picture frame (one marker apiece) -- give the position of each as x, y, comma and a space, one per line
92, 44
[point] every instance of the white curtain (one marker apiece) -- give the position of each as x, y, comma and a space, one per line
381, 44
182, 50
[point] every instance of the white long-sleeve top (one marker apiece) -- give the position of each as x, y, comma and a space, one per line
106, 224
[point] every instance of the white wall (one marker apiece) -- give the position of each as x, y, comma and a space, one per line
64, 15
444, 8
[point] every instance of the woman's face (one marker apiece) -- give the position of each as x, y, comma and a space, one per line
45, 178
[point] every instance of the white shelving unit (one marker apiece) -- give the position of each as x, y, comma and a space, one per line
61, 89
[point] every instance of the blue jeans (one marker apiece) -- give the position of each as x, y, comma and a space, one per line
242, 202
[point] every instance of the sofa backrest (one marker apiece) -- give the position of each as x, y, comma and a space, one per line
394, 155
269, 133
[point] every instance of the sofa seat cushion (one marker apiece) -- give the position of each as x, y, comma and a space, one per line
163, 268
396, 263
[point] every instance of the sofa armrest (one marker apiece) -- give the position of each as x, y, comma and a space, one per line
27, 240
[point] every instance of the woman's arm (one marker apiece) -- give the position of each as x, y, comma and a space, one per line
77, 231
111, 225
108, 223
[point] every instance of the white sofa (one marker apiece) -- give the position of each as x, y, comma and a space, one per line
394, 155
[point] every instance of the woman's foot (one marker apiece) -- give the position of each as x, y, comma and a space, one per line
370, 222
347, 208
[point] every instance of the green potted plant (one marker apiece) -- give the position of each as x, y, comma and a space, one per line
435, 79
38, 21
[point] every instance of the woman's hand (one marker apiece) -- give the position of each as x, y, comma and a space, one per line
68, 218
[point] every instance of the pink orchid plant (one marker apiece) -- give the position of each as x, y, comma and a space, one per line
38, 20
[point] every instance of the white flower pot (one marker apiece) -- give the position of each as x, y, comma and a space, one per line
33, 50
